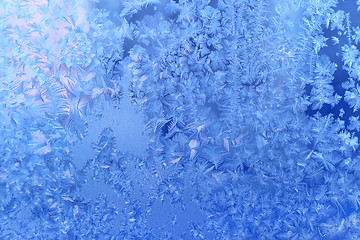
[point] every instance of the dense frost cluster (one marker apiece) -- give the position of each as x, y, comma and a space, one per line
179, 119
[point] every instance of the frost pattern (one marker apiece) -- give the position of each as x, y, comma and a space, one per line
178, 120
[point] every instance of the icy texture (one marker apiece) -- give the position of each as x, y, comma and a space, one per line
221, 119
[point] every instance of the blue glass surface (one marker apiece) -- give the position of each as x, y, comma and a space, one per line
179, 119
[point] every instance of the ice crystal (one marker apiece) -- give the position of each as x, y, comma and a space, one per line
202, 119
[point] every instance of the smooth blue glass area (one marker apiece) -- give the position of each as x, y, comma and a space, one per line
179, 119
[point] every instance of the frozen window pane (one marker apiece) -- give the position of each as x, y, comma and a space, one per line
203, 119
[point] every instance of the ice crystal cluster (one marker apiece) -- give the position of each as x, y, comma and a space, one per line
179, 119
